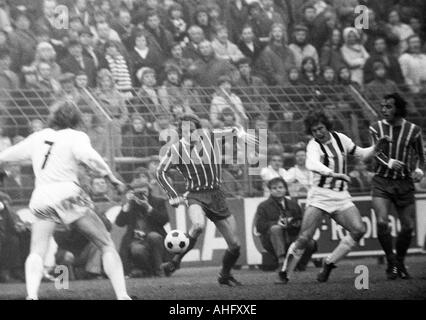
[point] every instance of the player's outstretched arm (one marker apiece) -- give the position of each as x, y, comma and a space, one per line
166, 163
18, 152
313, 163
420, 167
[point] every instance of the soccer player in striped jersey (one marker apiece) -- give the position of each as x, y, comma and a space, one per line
397, 167
327, 158
200, 164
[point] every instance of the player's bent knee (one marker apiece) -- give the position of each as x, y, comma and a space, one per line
154, 237
235, 249
302, 242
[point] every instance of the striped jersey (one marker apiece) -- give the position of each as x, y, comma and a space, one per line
323, 158
199, 163
406, 145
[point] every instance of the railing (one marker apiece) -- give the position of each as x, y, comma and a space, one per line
109, 116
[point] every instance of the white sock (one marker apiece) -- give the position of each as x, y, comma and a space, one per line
114, 270
33, 275
296, 254
345, 246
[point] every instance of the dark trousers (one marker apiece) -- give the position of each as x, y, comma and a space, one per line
277, 241
147, 254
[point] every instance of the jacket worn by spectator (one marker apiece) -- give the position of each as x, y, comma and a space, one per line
22, 49
393, 69
70, 64
208, 70
139, 219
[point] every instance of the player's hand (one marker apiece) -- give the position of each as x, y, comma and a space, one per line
341, 176
418, 175
396, 165
176, 202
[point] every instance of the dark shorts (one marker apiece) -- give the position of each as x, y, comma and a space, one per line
213, 203
400, 192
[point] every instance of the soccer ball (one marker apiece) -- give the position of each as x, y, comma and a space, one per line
176, 241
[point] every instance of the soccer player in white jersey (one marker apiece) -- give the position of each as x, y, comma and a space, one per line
327, 158
57, 198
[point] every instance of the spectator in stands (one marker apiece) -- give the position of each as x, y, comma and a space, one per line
344, 77
11, 264
300, 47
177, 59
273, 170
345, 10
81, 9
354, 54
223, 48
159, 37
278, 220
298, 178
417, 26
87, 42
308, 73
147, 101
249, 45
22, 41
224, 98
46, 80
328, 77
360, 177
202, 20
119, 67
104, 34
378, 29
139, 141
330, 52
262, 23
170, 93
30, 78
36, 125
142, 248
175, 23
5, 23
48, 21
8, 79
124, 27
277, 59
45, 52
401, 30
192, 98
381, 53
145, 55
4, 40
209, 68
323, 26
251, 89
381, 84
294, 77
413, 64
272, 12
76, 61
236, 16
192, 49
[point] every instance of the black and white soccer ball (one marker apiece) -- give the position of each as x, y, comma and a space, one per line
176, 241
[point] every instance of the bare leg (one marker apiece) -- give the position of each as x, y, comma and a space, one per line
311, 221
41, 234
92, 226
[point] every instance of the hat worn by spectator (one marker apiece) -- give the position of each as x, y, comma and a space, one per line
29, 70
66, 77
300, 27
223, 79
172, 68
73, 43
144, 71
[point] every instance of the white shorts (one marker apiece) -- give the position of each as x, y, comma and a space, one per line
328, 200
63, 202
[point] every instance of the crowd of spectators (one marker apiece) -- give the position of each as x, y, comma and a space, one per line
146, 62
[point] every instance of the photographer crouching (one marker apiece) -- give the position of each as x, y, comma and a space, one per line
142, 248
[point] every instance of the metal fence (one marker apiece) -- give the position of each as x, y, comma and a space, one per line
129, 129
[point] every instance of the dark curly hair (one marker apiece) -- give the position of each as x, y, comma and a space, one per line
65, 115
316, 117
400, 104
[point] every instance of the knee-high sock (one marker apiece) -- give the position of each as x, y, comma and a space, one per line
344, 247
402, 243
292, 258
33, 275
114, 270
229, 259
385, 239
178, 258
